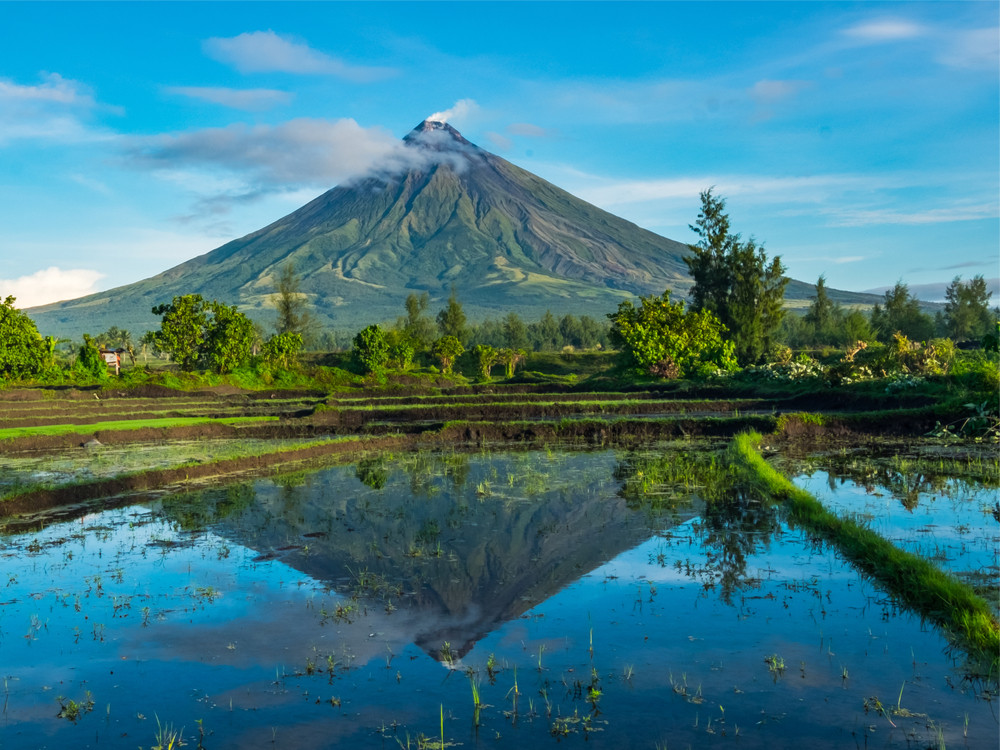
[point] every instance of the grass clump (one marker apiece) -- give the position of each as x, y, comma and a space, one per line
932, 592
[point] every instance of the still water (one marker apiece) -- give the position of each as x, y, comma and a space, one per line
514, 599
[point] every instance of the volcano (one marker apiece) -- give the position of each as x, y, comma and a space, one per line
441, 213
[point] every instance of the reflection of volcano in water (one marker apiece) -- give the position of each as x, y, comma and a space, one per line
474, 541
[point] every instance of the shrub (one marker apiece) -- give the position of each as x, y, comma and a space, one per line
370, 350
282, 349
447, 349
660, 338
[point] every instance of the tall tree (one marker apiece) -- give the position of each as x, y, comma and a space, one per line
735, 280
292, 305
416, 326
229, 338
22, 348
967, 309
900, 313
451, 320
515, 332
182, 328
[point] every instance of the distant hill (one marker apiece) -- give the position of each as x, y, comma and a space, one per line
448, 214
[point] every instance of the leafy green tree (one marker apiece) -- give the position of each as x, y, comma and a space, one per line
661, 338
89, 361
734, 280
22, 348
451, 320
229, 338
447, 349
416, 326
486, 357
282, 349
292, 305
857, 328
544, 333
371, 350
182, 329
401, 355
900, 313
967, 309
515, 332
510, 359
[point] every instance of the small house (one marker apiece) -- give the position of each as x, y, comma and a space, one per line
113, 359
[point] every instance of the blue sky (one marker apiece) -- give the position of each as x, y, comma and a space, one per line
856, 140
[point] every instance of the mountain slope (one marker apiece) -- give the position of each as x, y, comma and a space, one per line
449, 213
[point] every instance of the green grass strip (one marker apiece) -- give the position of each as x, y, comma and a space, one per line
9, 433
924, 587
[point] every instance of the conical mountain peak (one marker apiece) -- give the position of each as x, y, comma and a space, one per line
437, 135
452, 216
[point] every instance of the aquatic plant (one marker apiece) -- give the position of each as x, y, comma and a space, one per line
918, 582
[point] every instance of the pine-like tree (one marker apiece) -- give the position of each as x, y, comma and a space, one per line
451, 320
735, 280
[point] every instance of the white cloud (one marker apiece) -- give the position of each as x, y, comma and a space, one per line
251, 100
302, 151
885, 30
977, 49
266, 51
848, 217
50, 285
91, 183
463, 109
768, 91
499, 140
254, 160
527, 129
52, 110
54, 88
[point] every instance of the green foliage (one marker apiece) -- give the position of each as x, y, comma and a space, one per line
197, 332
916, 580
371, 351
661, 338
401, 355
991, 341
447, 349
89, 362
182, 329
510, 358
451, 320
544, 334
486, 357
900, 313
966, 310
734, 280
282, 350
515, 332
228, 340
23, 351
416, 327
293, 314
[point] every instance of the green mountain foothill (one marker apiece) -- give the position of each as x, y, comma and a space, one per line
442, 214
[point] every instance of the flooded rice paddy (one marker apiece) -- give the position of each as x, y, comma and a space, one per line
502, 599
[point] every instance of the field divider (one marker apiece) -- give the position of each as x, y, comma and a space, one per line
34, 500
927, 589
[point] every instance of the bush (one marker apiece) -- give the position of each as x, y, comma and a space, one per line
370, 350
660, 338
